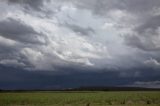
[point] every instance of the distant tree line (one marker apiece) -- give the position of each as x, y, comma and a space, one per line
93, 88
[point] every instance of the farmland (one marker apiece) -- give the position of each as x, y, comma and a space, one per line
80, 98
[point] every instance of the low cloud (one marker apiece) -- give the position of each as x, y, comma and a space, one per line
150, 84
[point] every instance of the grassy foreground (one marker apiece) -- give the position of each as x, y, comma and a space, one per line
46, 98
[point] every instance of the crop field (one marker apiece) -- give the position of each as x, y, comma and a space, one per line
82, 98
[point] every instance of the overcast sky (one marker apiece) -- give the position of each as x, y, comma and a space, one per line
72, 43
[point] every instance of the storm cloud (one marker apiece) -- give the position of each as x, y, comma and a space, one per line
120, 38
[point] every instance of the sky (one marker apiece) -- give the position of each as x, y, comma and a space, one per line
52, 44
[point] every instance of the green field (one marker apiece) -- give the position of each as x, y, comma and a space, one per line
46, 98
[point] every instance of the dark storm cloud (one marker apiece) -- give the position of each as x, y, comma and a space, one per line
18, 31
70, 60
13, 78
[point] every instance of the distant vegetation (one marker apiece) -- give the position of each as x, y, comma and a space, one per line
88, 88
97, 88
80, 98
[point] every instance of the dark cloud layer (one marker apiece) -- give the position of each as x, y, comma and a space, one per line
21, 79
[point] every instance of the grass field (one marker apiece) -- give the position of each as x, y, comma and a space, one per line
46, 98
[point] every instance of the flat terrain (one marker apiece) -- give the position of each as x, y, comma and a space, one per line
82, 98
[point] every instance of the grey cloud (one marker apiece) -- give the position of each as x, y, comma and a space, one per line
152, 24
10, 56
144, 44
96, 6
102, 7
78, 29
146, 35
14, 59
34, 4
68, 60
147, 24
18, 31
11, 62
139, 6
60, 49
152, 63
152, 84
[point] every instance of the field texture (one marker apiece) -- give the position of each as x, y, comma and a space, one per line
137, 98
